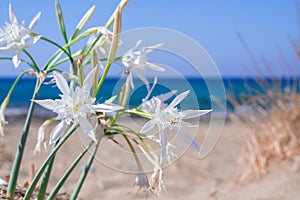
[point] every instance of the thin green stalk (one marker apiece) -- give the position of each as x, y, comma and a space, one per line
139, 113
46, 162
22, 60
133, 151
84, 173
68, 172
73, 41
56, 53
35, 67
19, 154
113, 47
94, 43
56, 63
46, 178
16, 82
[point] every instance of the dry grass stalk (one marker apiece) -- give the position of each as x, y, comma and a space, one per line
270, 115
271, 126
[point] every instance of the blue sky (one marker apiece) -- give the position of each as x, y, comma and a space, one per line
265, 25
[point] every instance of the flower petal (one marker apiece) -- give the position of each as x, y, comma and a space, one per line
188, 139
84, 123
151, 48
93, 136
107, 107
4, 49
12, 16
142, 77
61, 83
33, 40
34, 20
151, 89
57, 131
148, 126
156, 67
177, 100
88, 81
47, 103
163, 143
188, 114
16, 59
166, 96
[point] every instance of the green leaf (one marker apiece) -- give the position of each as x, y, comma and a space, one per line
38, 175
84, 173
68, 172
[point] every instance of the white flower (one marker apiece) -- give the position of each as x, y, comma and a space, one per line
149, 105
103, 45
137, 60
15, 36
67, 75
170, 118
75, 105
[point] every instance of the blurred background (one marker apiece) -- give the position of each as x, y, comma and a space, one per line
266, 26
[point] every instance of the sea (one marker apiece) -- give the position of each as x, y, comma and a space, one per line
204, 94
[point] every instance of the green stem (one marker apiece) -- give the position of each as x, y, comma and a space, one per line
94, 43
16, 82
133, 151
113, 47
56, 63
34, 65
56, 53
19, 154
46, 162
68, 172
61, 23
46, 177
139, 113
84, 173
22, 60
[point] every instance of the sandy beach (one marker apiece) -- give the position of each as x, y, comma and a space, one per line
189, 178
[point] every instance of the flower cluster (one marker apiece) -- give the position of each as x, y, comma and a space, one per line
15, 36
78, 103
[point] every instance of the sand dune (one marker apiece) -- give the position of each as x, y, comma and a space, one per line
189, 178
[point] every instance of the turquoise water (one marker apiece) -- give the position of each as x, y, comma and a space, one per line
199, 97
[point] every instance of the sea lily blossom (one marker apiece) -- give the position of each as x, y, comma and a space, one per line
149, 105
15, 36
136, 61
75, 105
171, 118
103, 45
